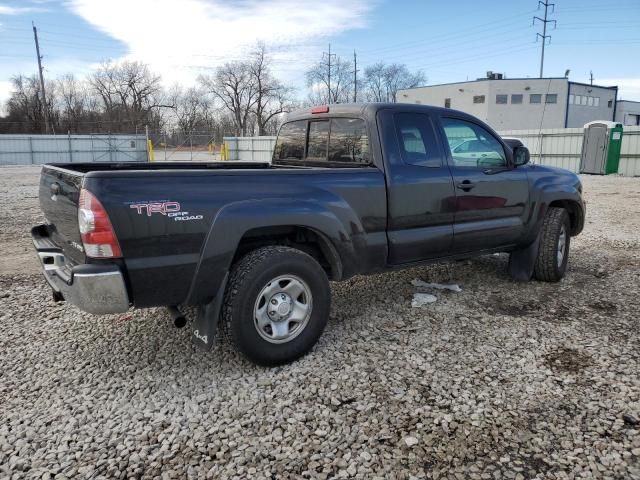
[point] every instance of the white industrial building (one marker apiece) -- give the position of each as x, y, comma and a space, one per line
628, 112
521, 103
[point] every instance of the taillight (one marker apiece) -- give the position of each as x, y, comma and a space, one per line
97, 234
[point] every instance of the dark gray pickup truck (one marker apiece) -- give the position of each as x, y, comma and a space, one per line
352, 189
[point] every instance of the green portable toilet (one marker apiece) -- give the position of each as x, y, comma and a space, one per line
601, 147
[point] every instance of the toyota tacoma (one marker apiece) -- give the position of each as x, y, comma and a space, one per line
351, 190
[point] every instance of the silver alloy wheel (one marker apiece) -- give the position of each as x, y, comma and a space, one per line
282, 309
562, 246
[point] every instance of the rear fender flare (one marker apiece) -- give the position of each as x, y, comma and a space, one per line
235, 219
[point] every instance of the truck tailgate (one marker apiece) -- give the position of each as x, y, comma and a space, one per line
59, 194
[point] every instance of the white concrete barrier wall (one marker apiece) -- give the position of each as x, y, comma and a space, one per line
39, 149
558, 147
630, 152
251, 149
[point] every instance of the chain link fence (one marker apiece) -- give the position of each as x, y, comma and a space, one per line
179, 146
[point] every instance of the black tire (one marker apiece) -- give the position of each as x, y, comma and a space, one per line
248, 279
548, 267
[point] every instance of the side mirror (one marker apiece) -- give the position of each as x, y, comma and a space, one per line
520, 155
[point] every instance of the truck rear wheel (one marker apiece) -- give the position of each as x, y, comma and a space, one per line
553, 253
276, 304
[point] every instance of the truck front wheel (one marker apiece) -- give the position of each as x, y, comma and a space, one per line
276, 304
553, 253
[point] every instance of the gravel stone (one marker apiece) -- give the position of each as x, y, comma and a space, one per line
501, 380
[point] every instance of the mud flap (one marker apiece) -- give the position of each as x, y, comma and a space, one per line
206, 322
523, 261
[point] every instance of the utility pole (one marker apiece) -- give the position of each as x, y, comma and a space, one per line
355, 77
544, 35
591, 77
44, 96
329, 55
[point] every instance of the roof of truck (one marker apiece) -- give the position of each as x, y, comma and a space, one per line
363, 110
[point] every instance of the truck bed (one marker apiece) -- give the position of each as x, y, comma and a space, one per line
128, 166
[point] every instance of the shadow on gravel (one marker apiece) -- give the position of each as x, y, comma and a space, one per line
568, 360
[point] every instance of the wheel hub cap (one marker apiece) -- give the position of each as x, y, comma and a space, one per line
562, 243
282, 309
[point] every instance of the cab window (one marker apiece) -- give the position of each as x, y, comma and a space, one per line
472, 145
417, 140
291, 141
336, 142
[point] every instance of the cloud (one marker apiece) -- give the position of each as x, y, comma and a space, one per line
182, 40
9, 10
628, 88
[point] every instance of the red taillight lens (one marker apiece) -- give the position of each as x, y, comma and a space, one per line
323, 109
97, 234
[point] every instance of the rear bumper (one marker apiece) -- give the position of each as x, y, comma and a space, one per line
95, 289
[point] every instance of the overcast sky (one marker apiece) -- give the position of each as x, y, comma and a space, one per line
449, 40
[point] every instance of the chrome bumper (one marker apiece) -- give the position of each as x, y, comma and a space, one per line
95, 289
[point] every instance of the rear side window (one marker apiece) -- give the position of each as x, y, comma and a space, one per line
417, 140
348, 142
291, 140
337, 142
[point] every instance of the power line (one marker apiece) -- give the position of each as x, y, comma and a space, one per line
544, 35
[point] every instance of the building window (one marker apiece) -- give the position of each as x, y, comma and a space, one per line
516, 98
578, 99
551, 98
596, 101
447, 103
584, 100
478, 99
590, 101
502, 99
535, 98
571, 96
610, 103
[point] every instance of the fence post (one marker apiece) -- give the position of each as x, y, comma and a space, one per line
70, 149
31, 149
253, 149
146, 136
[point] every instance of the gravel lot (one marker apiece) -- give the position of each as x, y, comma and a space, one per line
502, 380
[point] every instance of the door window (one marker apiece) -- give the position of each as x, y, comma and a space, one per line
472, 146
417, 140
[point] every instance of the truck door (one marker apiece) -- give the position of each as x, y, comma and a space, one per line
420, 193
491, 196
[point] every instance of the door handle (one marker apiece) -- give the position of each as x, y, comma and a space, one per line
465, 185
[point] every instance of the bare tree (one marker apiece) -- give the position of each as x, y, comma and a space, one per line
130, 93
272, 97
74, 100
234, 86
382, 81
333, 86
25, 104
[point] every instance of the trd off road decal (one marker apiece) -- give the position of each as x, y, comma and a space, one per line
166, 208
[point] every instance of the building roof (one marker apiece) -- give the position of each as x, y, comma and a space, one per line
506, 80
